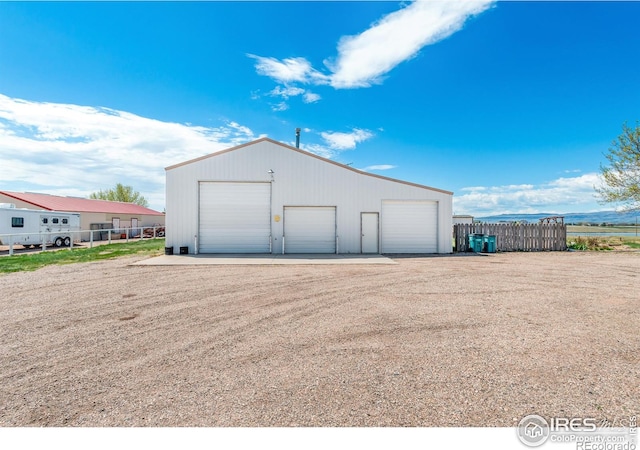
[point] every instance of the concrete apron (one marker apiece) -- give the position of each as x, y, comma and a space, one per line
249, 260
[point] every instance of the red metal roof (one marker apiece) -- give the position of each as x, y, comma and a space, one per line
76, 204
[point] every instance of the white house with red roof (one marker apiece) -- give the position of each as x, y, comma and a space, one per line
120, 215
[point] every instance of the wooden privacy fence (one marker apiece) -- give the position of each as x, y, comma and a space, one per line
514, 237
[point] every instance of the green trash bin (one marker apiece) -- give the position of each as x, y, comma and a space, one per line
475, 242
489, 243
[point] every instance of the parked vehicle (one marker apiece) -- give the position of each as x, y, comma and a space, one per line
29, 227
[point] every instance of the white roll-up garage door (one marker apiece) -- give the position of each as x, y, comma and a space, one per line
409, 226
235, 217
310, 229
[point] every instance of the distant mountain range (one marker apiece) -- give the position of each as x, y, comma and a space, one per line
592, 217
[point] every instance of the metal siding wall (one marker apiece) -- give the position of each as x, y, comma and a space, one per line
445, 226
300, 180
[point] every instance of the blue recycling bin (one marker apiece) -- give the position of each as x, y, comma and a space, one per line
475, 242
489, 243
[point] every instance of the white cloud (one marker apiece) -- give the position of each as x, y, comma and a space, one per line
566, 194
310, 97
286, 91
75, 150
335, 143
364, 59
317, 149
235, 129
345, 141
282, 106
288, 70
378, 167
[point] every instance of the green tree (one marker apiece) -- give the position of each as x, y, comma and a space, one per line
621, 178
121, 193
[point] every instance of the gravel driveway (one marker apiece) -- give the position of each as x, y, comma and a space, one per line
435, 341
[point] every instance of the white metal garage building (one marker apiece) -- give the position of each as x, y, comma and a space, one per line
268, 197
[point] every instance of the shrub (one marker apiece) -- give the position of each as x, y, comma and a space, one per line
578, 244
589, 243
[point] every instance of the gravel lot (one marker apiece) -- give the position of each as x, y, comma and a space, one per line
435, 341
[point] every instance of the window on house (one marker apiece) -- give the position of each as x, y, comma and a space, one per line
45, 220
65, 221
17, 222
54, 220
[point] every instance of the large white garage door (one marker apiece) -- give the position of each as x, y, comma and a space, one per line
409, 226
310, 229
235, 217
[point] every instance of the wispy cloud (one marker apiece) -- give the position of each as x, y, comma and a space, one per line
364, 59
286, 92
345, 141
75, 150
310, 97
565, 194
317, 149
280, 106
288, 70
336, 143
378, 167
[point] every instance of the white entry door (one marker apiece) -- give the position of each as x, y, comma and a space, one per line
369, 231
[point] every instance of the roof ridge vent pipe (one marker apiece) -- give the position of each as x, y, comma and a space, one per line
297, 137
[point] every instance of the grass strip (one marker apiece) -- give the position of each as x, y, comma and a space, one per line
34, 261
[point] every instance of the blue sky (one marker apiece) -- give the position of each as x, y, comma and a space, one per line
510, 105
